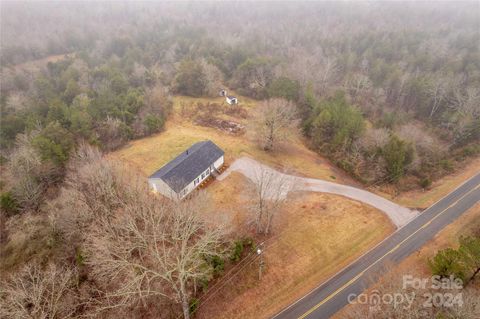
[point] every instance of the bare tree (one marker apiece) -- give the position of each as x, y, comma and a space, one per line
277, 119
466, 102
37, 293
270, 190
26, 169
358, 85
438, 92
214, 78
329, 70
140, 248
159, 250
111, 133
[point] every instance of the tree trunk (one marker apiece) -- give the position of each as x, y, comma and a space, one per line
474, 274
185, 303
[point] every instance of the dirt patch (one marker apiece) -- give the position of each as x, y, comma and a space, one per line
229, 127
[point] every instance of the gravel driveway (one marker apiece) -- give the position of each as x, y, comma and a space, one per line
399, 215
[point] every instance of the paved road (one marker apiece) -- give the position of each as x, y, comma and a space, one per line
252, 169
332, 295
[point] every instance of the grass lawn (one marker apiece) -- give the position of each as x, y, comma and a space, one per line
151, 153
314, 237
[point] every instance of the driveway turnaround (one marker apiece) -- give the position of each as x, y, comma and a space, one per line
252, 169
332, 295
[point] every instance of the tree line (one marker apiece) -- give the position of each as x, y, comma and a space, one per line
414, 86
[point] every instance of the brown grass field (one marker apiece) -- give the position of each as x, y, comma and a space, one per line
151, 153
314, 237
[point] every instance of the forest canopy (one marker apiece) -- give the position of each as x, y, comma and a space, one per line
393, 63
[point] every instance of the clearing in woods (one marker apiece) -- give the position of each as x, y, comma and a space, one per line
151, 153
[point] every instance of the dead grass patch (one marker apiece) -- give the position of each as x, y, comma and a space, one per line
439, 188
151, 153
315, 236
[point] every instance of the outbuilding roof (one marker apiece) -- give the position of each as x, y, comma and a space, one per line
231, 97
187, 166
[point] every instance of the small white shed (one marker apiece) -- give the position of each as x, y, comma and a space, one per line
231, 99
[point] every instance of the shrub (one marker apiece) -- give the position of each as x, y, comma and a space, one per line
471, 150
218, 265
336, 124
425, 182
79, 257
194, 303
397, 154
447, 262
284, 87
9, 204
237, 251
190, 79
446, 165
153, 123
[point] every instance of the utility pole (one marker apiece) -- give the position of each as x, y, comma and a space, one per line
260, 253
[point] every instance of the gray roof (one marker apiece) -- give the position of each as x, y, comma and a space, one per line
184, 168
231, 97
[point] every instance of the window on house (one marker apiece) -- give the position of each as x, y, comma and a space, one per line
203, 175
208, 171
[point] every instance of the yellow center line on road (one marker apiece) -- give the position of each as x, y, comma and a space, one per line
379, 259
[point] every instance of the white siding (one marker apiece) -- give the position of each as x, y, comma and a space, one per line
218, 163
161, 187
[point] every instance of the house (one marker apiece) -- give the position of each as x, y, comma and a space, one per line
186, 172
231, 99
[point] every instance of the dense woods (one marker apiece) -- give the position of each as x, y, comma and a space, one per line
391, 71
389, 92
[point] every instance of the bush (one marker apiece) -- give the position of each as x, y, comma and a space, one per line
190, 79
425, 182
194, 303
218, 265
283, 87
389, 120
397, 154
237, 251
447, 262
336, 124
9, 204
79, 257
446, 165
471, 150
153, 123
462, 263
